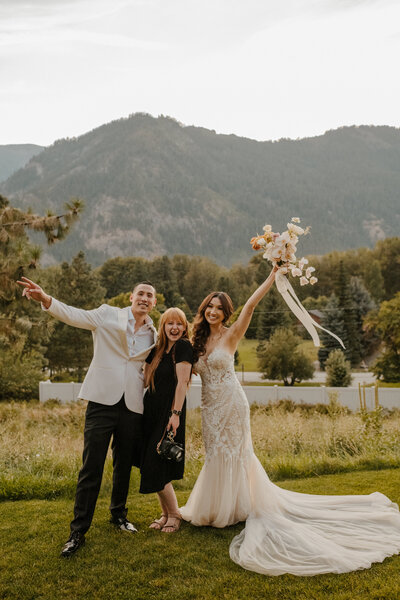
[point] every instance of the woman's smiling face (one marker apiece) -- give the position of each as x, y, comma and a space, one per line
214, 313
174, 329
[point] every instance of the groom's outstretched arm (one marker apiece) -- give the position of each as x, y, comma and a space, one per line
77, 317
34, 291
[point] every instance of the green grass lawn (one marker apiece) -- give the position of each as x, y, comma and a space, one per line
248, 353
192, 564
40, 456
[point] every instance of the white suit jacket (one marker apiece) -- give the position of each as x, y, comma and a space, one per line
112, 371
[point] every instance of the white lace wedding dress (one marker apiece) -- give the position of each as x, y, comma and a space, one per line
285, 532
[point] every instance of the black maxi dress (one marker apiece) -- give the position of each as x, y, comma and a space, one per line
156, 471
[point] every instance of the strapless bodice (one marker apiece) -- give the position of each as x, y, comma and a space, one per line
217, 368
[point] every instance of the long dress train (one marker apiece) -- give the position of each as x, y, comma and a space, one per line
285, 532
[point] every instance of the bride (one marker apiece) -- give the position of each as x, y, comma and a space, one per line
285, 532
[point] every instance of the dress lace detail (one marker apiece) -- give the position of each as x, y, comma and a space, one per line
225, 409
285, 532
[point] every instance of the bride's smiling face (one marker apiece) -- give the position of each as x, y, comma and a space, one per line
214, 313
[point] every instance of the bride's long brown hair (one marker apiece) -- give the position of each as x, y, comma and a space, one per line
201, 328
162, 341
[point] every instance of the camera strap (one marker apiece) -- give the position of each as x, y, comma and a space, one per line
170, 435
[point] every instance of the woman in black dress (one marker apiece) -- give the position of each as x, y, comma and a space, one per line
167, 374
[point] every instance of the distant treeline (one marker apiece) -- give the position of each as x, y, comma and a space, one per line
187, 279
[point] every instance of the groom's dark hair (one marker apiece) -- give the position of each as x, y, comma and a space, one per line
146, 282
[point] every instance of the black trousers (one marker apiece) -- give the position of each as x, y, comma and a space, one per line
101, 423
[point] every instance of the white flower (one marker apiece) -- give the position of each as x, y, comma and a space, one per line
276, 253
313, 280
303, 281
309, 271
303, 261
267, 228
296, 272
294, 230
295, 220
283, 239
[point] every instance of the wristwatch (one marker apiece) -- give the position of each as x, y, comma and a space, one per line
176, 412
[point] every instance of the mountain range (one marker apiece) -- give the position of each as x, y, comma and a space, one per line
153, 186
15, 156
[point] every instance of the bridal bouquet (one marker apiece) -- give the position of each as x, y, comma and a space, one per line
280, 249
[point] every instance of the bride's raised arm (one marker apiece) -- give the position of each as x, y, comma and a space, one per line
239, 328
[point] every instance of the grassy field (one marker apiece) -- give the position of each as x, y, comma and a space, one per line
193, 564
248, 353
306, 449
41, 445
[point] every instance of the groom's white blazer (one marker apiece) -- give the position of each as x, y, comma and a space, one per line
112, 371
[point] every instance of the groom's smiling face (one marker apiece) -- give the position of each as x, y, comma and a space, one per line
143, 298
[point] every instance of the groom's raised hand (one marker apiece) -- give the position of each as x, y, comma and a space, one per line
34, 291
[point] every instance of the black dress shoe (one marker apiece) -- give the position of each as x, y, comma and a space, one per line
74, 542
123, 524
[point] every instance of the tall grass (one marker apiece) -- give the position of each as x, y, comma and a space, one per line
41, 444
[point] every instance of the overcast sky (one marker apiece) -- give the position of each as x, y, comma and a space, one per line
263, 69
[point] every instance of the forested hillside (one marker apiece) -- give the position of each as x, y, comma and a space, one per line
154, 187
15, 156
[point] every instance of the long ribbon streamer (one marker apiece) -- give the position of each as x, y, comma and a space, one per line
289, 295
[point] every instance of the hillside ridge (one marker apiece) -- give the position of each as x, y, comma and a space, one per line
153, 186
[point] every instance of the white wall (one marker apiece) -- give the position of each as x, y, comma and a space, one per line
388, 397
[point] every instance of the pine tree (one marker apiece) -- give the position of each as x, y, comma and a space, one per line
17, 255
272, 314
22, 325
201, 279
338, 370
119, 275
353, 351
71, 348
163, 277
363, 304
181, 265
333, 320
229, 285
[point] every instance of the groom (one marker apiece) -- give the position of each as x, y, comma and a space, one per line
113, 386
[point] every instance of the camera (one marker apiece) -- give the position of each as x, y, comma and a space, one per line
170, 450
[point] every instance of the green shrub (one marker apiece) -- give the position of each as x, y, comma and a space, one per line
20, 375
338, 370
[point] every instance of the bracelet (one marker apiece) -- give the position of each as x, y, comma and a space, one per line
176, 412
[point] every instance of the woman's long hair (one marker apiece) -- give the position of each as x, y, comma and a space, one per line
162, 341
201, 328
